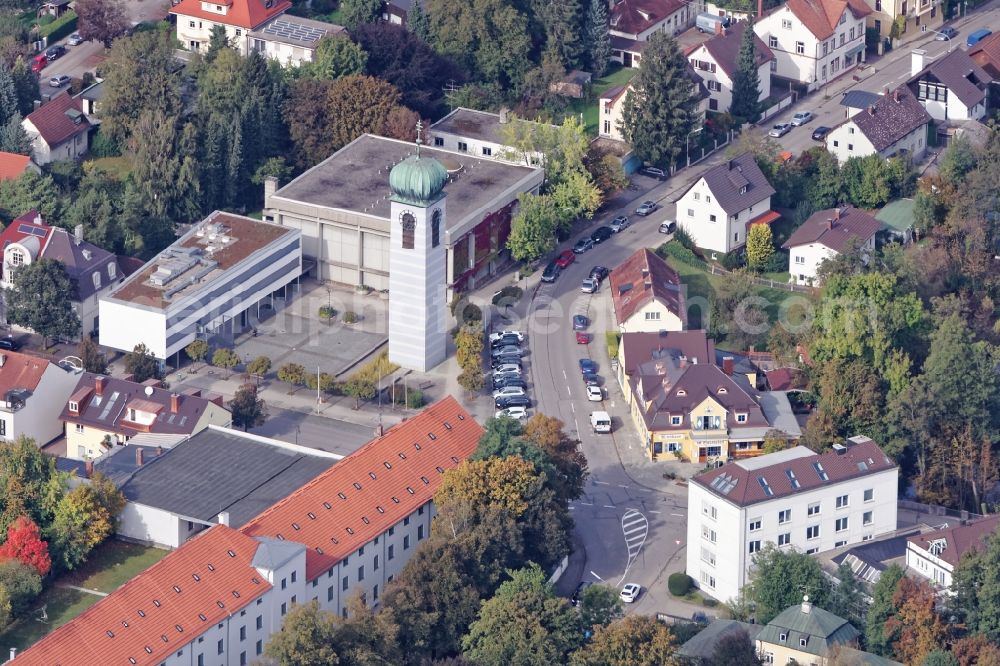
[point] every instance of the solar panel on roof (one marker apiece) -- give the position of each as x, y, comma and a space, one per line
285, 28
30, 230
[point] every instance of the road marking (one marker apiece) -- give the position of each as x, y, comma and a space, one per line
601, 483
571, 507
586, 503
609, 506
572, 407
633, 543
621, 486
565, 376
681, 515
656, 512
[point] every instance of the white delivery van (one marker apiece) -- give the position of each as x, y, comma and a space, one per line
712, 23
600, 421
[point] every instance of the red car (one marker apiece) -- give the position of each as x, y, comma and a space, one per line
582, 338
565, 259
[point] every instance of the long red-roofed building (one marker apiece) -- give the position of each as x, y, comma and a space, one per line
219, 597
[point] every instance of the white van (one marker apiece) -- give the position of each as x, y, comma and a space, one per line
706, 22
600, 421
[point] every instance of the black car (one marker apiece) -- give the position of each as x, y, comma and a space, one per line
10, 344
54, 52
654, 172
503, 402
497, 361
517, 381
505, 341
820, 133
551, 272
578, 593
599, 272
601, 234
591, 379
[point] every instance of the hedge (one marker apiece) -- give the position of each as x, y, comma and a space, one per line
61, 27
679, 584
612, 339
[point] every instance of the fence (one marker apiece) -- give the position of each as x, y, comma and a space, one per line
935, 510
560, 570
789, 286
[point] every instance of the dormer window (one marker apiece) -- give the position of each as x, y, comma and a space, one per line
97, 280
675, 420
681, 392
722, 390
743, 190
112, 271
782, 637
741, 418
74, 407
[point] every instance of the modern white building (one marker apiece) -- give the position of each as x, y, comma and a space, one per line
795, 499
894, 126
217, 599
718, 208
934, 555
815, 41
826, 234
207, 281
479, 134
716, 62
31, 392
952, 87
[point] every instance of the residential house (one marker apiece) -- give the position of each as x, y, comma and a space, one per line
631, 22
825, 235
858, 100
716, 61
815, 41
894, 126
92, 270
795, 499
718, 209
700, 649
917, 18
686, 406
104, 412
90, 101
480, 134
610, 107
647, 294
291, 40
808, 634
13, 165
935, 554
398, 11
58, 130
31, 390
219, 597
951, 87
194, 485
986, 54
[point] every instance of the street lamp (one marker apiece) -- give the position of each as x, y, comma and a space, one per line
687, 144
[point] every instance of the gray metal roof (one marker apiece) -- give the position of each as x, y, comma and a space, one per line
702, 645
814, 631
219, 470
859, 99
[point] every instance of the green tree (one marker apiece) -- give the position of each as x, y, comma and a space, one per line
735, 649
882, 607
780, 578
939, 657
83, 518
32, 191
598, 38
101, 20
42, 300
217, 41
533, 229
335, 57
223, 357
560, 20
25, 85
958, 159
305, 639
197, 351
13, 138
659, 107
746, 105
359, 388
847, 596
976, 584
361, 104
29, 483
141, 364
259, 367
356, 13
292, 373
164, 167
248, 409
569, 465
774, 441
760, 246
471, 380
635, 640
600, 605
21, 583
523, 623
416, 21
91, 355
307, 114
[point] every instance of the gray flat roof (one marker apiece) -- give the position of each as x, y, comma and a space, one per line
356, 178
296, 30
219, 470
471, 123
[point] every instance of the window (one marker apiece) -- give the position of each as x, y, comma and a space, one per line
436, 228
438, 141
707, 533
754, 547
843, 17
852, 34
652, 316
850, 130
375, 564
772, 42
708, 198
463, 146
406, 542
714, 86
786, 24
800, 259
836, 143
784, 539
222, 643
392, 552
79, 429
866, 518
260, 622
784, 516
375, 593
841, 524
190, 24
878, 6
841, 39
675, 420
825, 49
487, 151
774, 65
768, 658
813, 509
284, 583
201, 660
697, 196
361, 572
708, 556
409, 224
842, 501
97, 279
711, 218
284, 609
690, 212
800, 47
755, 524
420, 532
243, 633
343, 583
295, 575
741, 418
869, 495
782, 637
329, 593
607, 127
812, 532
803, 642
708, 579
709, 510
259, 647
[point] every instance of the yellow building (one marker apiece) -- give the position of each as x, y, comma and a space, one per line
105, 411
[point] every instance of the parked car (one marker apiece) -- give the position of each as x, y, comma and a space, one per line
582, 245
587, 366
590, 379
589, 285
38, 63
551, 272
509, 380
75, 39
620, 223
801, 118
711, 23
946, 34
646, 208
582, 338
668, 227
9, 343
977, 36
516, 413
507, 391
595, 394
507, 333
601, 234
565, 258
512, 351
580, 322
505, 369
780, 130
653, 172
506, 364
505, 341
53, 52
599, 273
59, 80
506, 402
819, 134
630, 592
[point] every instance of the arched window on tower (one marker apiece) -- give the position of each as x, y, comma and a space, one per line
436, 228
409, 229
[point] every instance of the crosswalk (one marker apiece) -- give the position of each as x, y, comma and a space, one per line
634, 529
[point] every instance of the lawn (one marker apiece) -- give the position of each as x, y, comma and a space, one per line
109, 566
616, 76
117, 167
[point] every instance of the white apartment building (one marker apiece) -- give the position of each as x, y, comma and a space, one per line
478, 134
206, 282
815, 41
718, 209
795, 499
716, 62
216, 600
894, 126
934, 555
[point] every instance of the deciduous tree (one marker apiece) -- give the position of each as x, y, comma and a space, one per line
305, 638
360, 105
548, 433
259, 367
745, 106
141, 364
223, 357
735, 649
308, 116
335, 57
25, 543
91, 355
780, 578
600, 605
636, 640
976, 583
248, 409
101, 20
533, 229
916, 627
84, 517
42, 300
359, 388
197, 351
21, 583
359, 12
292, 373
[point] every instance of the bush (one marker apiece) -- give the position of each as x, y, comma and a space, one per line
733, 260
778, 263
471, 313
679, 584
684, 238
102, 146
327, 382
350, 317
59, 28
327, 312
680, 253
613, 339
508, 295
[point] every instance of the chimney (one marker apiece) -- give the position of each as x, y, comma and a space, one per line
806, 605
38, 218
760, 9
175, 403
648, 284
916, 61
836, 213
78, 234
224, 518
871, 110
645, 272
727, 364
13, 653
270, 187
503, 115
683, 361
885, 91
159, 451
88, 469
139, 456
99, 385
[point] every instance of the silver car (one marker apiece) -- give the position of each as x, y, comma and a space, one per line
801, 118
780, 130
645, 208
620, 223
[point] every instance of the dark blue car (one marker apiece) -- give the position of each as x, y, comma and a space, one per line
587, 366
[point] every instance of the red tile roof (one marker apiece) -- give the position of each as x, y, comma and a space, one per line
958, 540
20, 371
821, 17
744, 486
375, 487
147, 619
28, 225
633, 17
987, 54
641, 279
835, 228
247, 14
12, 165
54, 125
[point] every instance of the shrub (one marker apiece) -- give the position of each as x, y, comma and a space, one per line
679, 584
613, 339
471, 313
102, 146
327, 383
733, 260
778, 263
292, 373
350, 317
684, 238
508, 295
327, 312
59, 28
678, 252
